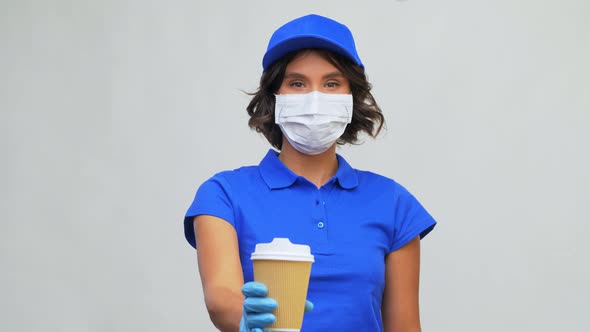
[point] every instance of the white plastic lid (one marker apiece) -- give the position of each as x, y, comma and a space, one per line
282, 249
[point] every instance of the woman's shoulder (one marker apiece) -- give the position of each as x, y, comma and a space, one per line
242, 171
235, 176
373, 178
376, 181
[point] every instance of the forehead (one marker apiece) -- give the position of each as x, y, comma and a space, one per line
312, 60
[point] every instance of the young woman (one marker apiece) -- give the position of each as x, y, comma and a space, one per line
364, 229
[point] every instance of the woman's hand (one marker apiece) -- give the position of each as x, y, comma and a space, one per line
258, 307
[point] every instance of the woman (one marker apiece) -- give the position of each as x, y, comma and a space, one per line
364, 229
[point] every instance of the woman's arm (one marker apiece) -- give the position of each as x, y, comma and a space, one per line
221, 272
400, 309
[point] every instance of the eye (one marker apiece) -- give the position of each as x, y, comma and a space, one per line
297, 84
332, 84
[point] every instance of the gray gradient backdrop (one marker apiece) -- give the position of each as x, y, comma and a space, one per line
113, 112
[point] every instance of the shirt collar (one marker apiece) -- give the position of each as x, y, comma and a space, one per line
346, 175
277, 175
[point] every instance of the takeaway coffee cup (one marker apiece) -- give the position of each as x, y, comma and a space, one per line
284, 268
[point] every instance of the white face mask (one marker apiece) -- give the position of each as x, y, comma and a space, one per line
313, 122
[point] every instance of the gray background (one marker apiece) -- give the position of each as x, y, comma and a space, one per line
113, 112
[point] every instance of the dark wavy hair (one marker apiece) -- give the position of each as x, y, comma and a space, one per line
366, 116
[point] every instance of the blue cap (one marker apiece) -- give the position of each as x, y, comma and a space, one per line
311, 31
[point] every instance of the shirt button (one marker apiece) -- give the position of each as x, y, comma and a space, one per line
320, 225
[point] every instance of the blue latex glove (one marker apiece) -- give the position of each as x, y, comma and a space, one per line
257, 307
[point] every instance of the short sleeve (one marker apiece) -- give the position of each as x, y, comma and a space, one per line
411, 219
212, 198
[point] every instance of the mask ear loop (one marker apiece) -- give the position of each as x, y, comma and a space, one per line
348, 112
278, 114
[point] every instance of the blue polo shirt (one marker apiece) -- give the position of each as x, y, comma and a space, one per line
351, 224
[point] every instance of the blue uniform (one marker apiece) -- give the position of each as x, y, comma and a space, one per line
351, 224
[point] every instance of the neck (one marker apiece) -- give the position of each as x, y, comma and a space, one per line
318, 169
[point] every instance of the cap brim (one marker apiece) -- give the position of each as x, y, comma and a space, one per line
302, 42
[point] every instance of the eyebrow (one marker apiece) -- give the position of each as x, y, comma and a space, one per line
334, 74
